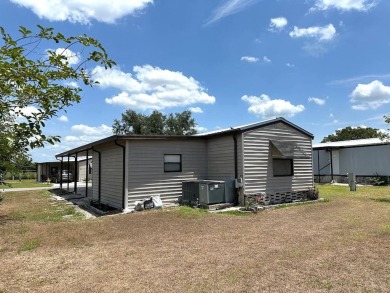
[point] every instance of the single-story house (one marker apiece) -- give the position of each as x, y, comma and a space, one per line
273, 156
50, 170
366, 158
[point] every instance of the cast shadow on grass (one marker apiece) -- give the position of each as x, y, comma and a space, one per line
4, 219
385, 200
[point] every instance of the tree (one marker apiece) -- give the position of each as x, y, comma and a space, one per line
180, 124
386, 136
31, 77
155, 124
352, 133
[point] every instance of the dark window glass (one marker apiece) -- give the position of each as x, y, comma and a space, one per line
172, 163
283, 167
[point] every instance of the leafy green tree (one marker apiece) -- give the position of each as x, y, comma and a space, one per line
352, 133
155, 124
386, 136
180, 124
40, 79
11, 152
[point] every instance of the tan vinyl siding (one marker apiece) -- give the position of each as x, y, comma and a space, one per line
146, 168
258, 171
112, 176
220, 158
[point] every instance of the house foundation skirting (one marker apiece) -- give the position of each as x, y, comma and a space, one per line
279, 197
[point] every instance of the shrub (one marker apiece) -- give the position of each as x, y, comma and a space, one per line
313, 194
379, 180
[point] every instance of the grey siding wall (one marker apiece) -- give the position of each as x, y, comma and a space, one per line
220, 158
367, 161
146, 168
324, 160
258, 171
111, 185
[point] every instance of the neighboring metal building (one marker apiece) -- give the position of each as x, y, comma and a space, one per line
50, 170
366, 158
273, 156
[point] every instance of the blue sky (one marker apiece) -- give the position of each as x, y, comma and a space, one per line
322, 64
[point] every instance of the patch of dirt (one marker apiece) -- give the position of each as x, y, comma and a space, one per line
341, 246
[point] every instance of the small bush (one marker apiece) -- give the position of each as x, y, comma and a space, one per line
379, 180
313, 194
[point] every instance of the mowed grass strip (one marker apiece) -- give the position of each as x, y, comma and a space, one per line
25, 183
338, 246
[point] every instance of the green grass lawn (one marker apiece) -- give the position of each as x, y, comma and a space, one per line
26, 183
363, 193
338, 245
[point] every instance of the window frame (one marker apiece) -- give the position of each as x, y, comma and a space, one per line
291, 174
173, 163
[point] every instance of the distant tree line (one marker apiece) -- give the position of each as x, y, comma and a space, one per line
353, 133
156, 123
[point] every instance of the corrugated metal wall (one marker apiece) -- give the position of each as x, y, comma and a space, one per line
146, 168
258, 172
112, 178
324, 162
370, 160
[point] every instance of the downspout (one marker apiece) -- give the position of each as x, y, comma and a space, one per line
75, 174
318, 166
235, 156
236, 165
68, 172
331, 164
100, 174
123, 173
86, 176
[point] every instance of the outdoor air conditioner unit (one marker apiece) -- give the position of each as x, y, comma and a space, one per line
206, 192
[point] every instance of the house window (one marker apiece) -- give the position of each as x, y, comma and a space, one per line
172, 163
283, 167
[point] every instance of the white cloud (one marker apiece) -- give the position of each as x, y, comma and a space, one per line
249, 59
72, 84
196, 109
229, 7
265, 107
370, 96
317, 101
277, 24
20, 113
83, 11
200, 129
344, 5
152, 88
63, 118
290, 65
72, 57
27, 111
102, 130
266, 59
321, 34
